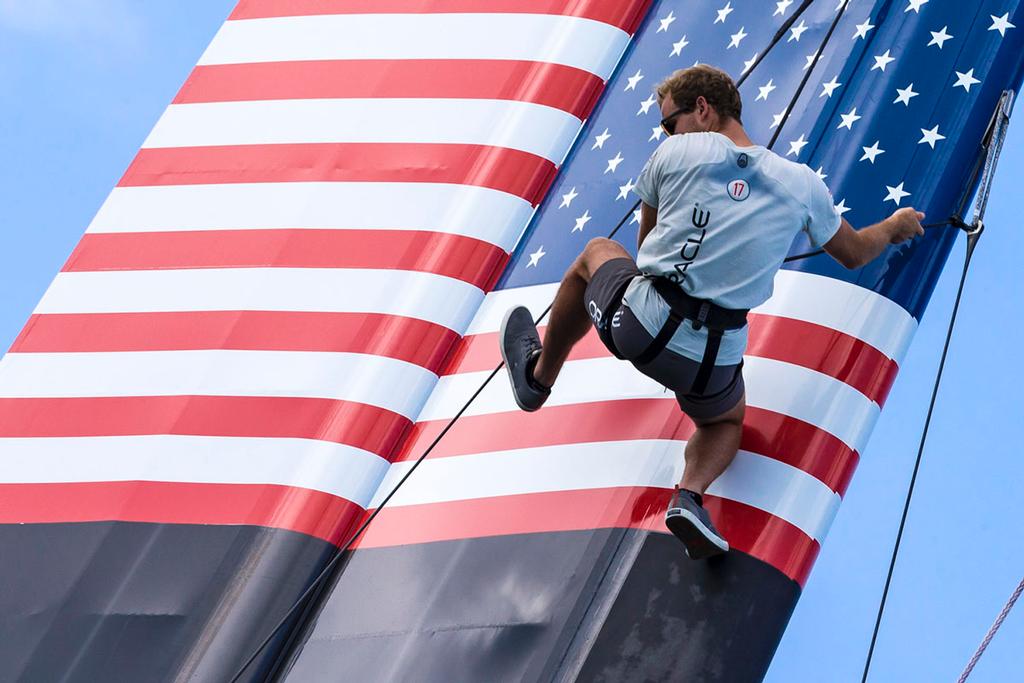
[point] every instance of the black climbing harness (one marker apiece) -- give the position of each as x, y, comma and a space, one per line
700, 313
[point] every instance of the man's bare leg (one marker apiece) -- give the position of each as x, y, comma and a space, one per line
712, 448
569, 321
709, 451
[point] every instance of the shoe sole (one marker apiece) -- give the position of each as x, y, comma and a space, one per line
504, 358
698, 541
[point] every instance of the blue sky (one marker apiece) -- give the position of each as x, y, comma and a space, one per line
85, 80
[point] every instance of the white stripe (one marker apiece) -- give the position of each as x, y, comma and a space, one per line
534, 128
491, 312
375, 380
767, 484
836, 304
337, 469
435, 298
485, 214
583, 43
845, 307
784, 388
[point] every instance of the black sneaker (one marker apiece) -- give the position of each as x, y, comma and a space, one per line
520, 348
691, 524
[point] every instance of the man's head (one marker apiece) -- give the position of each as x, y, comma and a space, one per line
701, 98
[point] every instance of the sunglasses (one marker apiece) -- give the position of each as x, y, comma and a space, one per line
668, 124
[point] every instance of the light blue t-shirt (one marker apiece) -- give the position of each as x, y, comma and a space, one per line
727, 217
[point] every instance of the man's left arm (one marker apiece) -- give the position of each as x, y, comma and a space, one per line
648, 219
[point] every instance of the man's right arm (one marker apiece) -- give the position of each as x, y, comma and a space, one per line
855, 248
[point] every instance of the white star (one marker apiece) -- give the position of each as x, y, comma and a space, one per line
656, 133
896, 194
821, 174
677, 48
1000, 23
567, 198
862, 30
871, 152
614, 163
810, 61
624, 190
966, 80
633, 80
915, 5
842, 208
777, 119
797, 31
882, 61
829, 88
931, 137
939, 37
795, 146
536, 256
636, 217
904, 94
666, 22
646, 105
766, 89
581, 221
749, 63
599, 140
781, 7
737, 38
849, 118
723, 13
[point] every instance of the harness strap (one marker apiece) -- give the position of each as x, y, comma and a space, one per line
661, 340
707, 363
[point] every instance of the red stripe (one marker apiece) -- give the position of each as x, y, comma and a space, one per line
767, 433
826, 350
555, 85
314, 513
764, 536
625, 15
819, 348
456, 256
371, 428
747, 529
516, 172
417, 341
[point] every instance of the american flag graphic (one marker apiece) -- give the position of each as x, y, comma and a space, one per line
298, 282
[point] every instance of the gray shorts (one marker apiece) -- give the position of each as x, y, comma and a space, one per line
625, 337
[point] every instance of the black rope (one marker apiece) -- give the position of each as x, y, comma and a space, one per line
340, 553
953, 220
807, 73
972, 241
985, 164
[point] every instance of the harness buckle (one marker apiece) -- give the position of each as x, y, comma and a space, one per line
702, 315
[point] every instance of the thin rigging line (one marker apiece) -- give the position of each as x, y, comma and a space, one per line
992, 632
972, 240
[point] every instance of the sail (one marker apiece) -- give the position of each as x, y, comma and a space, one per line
297, 285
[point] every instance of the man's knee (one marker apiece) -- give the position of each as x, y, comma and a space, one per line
598, 251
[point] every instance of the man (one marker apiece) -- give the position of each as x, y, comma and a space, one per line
719, 215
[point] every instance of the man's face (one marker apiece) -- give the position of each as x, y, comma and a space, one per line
692, 122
